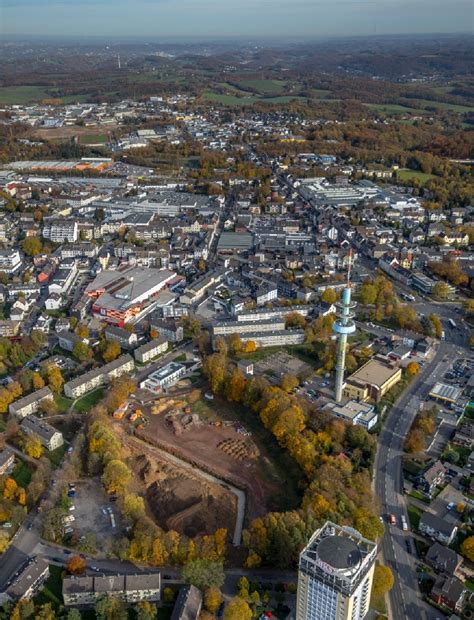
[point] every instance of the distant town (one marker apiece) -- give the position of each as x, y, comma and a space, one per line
237, 377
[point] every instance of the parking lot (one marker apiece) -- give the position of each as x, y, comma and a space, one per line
460, 372
281, 363
93, 512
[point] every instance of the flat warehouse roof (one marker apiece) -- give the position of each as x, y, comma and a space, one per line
374, 372
449, 393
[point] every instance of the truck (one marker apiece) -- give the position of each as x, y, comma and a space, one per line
404, 523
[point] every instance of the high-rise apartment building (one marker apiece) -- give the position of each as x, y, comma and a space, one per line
335, 575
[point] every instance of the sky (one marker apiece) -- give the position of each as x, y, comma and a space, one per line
232, 18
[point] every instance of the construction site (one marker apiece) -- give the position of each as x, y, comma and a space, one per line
198, 471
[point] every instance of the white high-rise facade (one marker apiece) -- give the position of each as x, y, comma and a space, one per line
335, 575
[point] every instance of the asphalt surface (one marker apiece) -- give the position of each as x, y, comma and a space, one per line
405, 598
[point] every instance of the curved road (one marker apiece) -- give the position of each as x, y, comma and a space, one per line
405, 598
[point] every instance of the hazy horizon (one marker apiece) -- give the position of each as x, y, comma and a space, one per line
227, 19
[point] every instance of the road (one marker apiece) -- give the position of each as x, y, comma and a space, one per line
405, 598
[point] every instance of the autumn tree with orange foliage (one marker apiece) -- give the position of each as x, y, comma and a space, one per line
76, 565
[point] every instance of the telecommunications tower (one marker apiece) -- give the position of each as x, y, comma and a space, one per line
343, 326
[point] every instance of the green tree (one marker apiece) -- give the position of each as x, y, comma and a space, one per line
441, 290
368, 294
437, 325
73, 614
31, 246
116, 476
203, 573
110, 608
81, 351
329, 296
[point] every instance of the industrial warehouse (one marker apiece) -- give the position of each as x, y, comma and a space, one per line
120, 296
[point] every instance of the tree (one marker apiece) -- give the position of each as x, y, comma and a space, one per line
329, 296
116, 476
31, 246
415, 441
368, 293
237, 609
203, 573
295, 319
4, 541
37, 381
32, 446
168, 595
81, 351
55, 378
212, 599
73, 614
250, 346
110, 608
441, 290
437, 325
236, 385
413, 369
146, 611
133, 506
82, 331
467, 548
383, 580
112, 351
76, 565
214, 368
235, 343
289, 382
221, 346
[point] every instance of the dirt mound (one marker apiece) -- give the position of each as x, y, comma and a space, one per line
181, 501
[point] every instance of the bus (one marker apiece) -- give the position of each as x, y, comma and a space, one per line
452, 323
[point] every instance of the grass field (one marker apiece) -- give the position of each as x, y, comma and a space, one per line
321, 93
414, 515
52, 589
22, 94
93, 138
62, 403
441, 105
22, 474
264, 86
231, 99
56, 456
405, 175
389, 108
86, 403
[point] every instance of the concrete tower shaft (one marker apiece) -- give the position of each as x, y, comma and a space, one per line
343, 326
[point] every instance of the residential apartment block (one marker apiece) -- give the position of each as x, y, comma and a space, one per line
150, 350
30, 404
49, 437
84, 591
99, 376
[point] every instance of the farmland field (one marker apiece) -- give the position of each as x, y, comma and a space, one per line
394, 108
93, 138
404, 175
441, 105
264, 86
231, 99
11, 95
